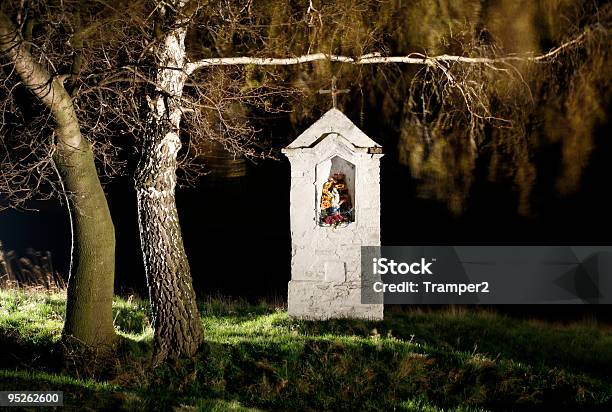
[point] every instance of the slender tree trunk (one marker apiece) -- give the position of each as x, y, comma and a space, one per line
90, 287
89, 304
178, 329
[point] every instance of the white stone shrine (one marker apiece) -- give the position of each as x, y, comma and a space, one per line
335, 209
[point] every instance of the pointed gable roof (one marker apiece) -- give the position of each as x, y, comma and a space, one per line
334, 121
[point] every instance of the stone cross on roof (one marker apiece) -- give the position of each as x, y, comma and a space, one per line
334, 91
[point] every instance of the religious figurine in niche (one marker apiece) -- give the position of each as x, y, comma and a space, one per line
336, 209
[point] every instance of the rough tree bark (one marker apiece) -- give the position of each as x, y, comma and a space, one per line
90, 287
176, 321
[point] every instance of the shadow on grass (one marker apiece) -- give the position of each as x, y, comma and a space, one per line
367, 374
255, 355
581, 347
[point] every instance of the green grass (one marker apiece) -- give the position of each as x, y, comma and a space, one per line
255, 356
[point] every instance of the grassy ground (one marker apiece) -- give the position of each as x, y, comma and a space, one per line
256, 358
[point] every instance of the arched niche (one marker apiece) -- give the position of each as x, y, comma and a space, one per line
335, 192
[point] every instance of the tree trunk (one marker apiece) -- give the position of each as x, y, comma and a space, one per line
176, 320
89, 317
178, 329
91, 281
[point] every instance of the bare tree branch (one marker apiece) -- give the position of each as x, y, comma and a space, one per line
377, 58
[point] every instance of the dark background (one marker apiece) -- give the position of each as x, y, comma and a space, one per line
236, 230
